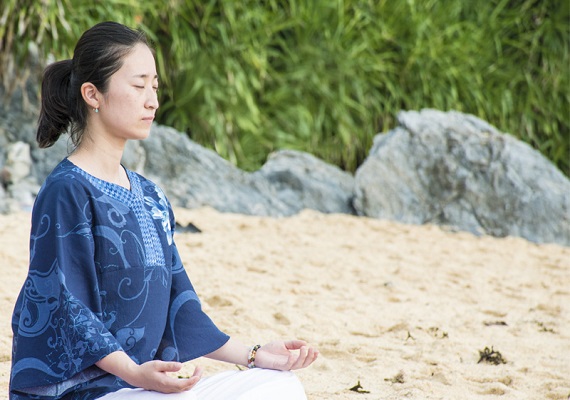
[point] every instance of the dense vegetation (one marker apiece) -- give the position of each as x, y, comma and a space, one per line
324, 76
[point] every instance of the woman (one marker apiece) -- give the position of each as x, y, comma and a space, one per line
107, 309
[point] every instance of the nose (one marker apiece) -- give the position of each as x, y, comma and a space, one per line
152, 100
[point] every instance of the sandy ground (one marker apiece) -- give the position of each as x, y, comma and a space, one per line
404, 311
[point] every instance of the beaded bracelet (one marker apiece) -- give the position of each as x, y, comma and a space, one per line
251, 356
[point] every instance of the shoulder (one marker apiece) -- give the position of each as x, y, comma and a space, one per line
144, 181
63, 177
150, 188
63, 185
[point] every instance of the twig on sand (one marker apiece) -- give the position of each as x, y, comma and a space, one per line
358, 388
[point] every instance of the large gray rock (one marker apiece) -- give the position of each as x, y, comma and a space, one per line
455, 169
21, 186
45, 160
301, 181
443, 168
193, 176
18, 162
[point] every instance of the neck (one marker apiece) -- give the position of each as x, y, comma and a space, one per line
101, 159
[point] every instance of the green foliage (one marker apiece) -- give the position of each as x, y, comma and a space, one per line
252, 78
324, 76
55, 25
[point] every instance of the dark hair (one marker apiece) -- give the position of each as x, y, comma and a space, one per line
99, 53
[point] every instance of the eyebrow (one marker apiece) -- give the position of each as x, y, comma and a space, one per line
144, 76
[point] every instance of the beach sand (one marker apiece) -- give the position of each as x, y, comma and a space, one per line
405, 311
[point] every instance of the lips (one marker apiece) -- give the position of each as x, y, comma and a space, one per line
150, 119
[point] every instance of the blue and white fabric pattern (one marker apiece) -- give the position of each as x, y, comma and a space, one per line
104, 275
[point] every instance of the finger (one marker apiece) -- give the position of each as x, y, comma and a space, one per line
177, 385
284, 365
295, 344
184, 384
303, 352
198, 372
189, 383
167, 366
194, 379
311, 357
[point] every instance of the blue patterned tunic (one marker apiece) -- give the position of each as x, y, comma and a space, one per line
104, 275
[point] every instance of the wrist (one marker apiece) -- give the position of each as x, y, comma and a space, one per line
129, 373
251, 356
119, 364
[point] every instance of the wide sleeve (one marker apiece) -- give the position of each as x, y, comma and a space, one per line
189, 332
58, 332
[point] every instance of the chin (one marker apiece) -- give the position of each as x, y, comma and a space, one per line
140, 135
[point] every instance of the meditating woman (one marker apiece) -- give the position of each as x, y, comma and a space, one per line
107, 309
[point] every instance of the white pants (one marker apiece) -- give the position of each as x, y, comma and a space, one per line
251, 384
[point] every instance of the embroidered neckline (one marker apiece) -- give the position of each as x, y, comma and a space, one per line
135, 200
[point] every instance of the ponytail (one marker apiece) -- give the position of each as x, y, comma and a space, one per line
55, 115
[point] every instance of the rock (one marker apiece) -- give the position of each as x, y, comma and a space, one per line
302, 181
193, 176
4, 207
21, 187
443, 168
21, 195
18, 162
45, 160
455, 169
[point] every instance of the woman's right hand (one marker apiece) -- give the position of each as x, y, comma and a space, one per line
151, 375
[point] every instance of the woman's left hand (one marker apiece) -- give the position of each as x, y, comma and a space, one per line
285, 355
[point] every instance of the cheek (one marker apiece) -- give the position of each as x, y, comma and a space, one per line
122, 102
119, 92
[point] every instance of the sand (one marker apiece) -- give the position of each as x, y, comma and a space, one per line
404, 311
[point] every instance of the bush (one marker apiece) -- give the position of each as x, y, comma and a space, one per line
247, 78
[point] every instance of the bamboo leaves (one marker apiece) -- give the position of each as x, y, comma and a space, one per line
247, 78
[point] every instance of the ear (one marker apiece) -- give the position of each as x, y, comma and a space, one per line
90, 94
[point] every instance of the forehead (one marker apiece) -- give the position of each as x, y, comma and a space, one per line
138, 63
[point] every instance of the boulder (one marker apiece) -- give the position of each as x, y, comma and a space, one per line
193, 176
301, 181
444, 168
16, 177
454, 169
18, 162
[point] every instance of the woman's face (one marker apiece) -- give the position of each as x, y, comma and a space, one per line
128, 107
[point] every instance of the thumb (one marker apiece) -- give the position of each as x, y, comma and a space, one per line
198, 371
295, 344
168, 366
